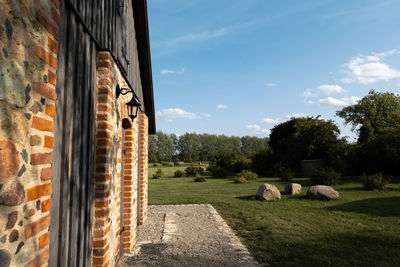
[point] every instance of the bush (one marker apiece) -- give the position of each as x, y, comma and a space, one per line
158, 174
167, 164
248, 175
326, 176
218, 172
191, 171
179, 173
374, 182
176, 163
284, 173
200, 170
240, 180
199, 179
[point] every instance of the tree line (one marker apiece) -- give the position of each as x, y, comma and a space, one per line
192, 147
375, 119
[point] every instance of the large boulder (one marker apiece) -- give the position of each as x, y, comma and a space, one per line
268, 192
322, 192
292, 189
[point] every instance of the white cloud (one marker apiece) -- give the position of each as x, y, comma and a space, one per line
200, 36
295, 115
206, 115
330, 89
170, 114
308, 93
270, 84
271, 121
163, 72
335, 102
257, 129
221, 106
369, 69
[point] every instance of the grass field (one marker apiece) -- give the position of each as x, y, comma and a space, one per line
362, 228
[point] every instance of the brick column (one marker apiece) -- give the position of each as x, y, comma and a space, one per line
143, 168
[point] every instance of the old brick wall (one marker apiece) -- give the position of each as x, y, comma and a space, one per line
116, 168
28, 65
143, 168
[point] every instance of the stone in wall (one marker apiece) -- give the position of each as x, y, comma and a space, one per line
13, 194
12, 84
9, 160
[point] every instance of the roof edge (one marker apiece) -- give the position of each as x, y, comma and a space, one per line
143, 45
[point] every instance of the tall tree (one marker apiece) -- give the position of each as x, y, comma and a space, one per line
189, 147
306, 138
375, 114
165, 147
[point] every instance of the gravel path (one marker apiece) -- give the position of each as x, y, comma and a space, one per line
187, 235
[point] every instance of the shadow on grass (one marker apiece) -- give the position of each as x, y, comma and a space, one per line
250, 197
334, 250
383, 207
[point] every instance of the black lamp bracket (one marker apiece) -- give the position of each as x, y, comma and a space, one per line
123, 91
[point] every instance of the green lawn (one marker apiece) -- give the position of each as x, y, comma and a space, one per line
362, 228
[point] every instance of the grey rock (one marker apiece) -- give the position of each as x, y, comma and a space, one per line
268, 192
322, 192
9, 29
36, 140
292, 189
5, 258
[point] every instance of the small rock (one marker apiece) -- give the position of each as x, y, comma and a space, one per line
42, 99
5, 258
292, 189
12, 195
13, 236
5, 53
9, 29
12, 219
29, 213
3, 239
20, 245
27, 93
36, 107
322, 192
268, 192
9, 160
27, 115
35, 140
21, 171
24, 155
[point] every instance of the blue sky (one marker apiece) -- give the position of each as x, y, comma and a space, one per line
238, 67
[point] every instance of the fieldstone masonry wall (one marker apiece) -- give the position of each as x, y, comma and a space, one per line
28, 64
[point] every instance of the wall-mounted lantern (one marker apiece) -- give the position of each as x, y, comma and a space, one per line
132, 106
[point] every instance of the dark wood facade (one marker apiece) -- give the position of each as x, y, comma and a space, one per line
87, 27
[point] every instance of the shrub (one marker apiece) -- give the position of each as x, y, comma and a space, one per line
240, 180
191, 171
248, 175
374, 182
176, 163
179, 173
284, 173
167, 164
200, 170
199, 179
218, 172
326, 176
158, 174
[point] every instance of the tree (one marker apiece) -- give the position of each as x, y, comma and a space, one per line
307, 138
189, 147
375, 114
252, 144
153, 148
165, 147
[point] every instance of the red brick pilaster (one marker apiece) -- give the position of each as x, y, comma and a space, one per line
143, 168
